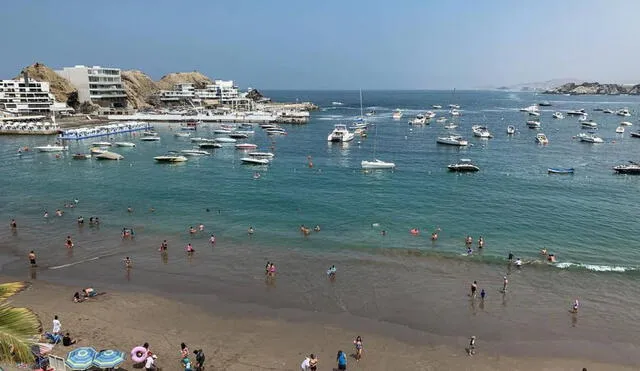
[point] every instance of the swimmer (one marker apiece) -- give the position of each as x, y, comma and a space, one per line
469, 250
256, 175
127, 262
468, 240
266, 268
510, 257
32, 258
163, 246
13, 224
189, 249
46, 214
153, 209
317, 228
551, 258
434, 236
212, 239
543, 251
250, 231
129, 209
201, 227
576, 306
272, 270
90, 220
415, 231
80, 220
58, 212
480, 242
384, 233
518, 263
69, 243
192, 230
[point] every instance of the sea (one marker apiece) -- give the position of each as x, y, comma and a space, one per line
402, 284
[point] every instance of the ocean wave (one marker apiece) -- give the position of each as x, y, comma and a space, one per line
595, 267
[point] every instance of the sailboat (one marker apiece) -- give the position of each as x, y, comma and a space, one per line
360, 121
376, 164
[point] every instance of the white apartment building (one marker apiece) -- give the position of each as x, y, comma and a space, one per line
223, 91
180, 92
27, 96
98, 85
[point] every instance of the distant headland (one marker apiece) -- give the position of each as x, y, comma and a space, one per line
594, 88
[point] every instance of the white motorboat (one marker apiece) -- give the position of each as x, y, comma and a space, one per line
579, 112
150, 138
589, 124
530, 109
52, 148
255, 161
340, 133
532, 124
276, 131
441, 119
225, 140
397, 114
429, 115
246, 146
558, 115
453, 140
125, 144
182, 135
607, 110
337, 103
222, 131
200, 140
106, 155
194, 152
623, 112
261, 154
245, 132
511, 129
150, 133
545, 103
590, 138
463, 166
209, 145
625, 123
236, 135
450, 126
436, 106
81, 156
377, 164
170, 158
454, 112
481, 131
454, 106
418, 120
534, 113
620, 130
101, 144
97, 150
542, 139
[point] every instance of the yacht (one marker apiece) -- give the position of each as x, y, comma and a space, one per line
631, 168
620, 130
203, 145
589, 124
623, 112
558, 115
397, 114
530, 109
255, 161
124, 144
533, 124
246, 146
454, 112
607, 110
481, 131
441, 119
626, 123
590, 138
450, 126
463, 166
106, 155
236, 135
222, 131
579, 112
511, 129
377, 164
337, 103
545, 103
542, 139
635, 134
429, 115
454, 106
453, 140
436, 106
194, 152
52, 148
182, 135
261, 154
340, 133
225, 140
150, 138
171, 158
534, 113
419, 120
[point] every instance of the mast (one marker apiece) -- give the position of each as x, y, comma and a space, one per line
361, 113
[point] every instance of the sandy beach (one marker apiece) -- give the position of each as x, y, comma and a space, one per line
124, 320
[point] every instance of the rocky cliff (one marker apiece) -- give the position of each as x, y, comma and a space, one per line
592, 88
168, 81
60, 87
139, 88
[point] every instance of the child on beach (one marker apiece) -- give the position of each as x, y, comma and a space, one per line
576, 306
474, 288
212, 239
472, 345
272, 270
32, 258
163, 246
127, 262
358, 343
69, 243
14, 225
190, 250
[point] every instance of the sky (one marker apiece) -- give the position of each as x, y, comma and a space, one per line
331, 44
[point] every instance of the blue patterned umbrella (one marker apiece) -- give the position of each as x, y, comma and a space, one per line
80, 358
108, 358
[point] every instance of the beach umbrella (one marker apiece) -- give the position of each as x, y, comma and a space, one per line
108, 358
80, 358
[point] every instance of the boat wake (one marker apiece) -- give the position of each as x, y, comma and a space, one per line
595, 267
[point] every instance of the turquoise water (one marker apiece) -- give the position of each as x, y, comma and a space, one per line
586, 219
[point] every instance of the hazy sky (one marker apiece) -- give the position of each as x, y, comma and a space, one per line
331, 44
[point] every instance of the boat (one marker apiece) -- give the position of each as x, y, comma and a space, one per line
623, 112
607, 110
261, 154
597, 109
441, 119
222, 131
626, 123
420, 119
81, 156
620, 130
101, 144
377, 164
481, 131
246, 146
337, 103
589, 124
558, 115
532, 124
578, 112
635, 134
255, 161
436, 106
276, 131
170, 158
534, 114
454, 112
450, 126
52, 148
511, 129
97, 151
560, 170
463, 166
124, 144
530, 109
225, 140
542, 139
397, 114
429, 115
150, 138
453, 140
182, 135
590, 138
545, 103
209, 145
106, 155
245, 132
454, 106
631, 168
150, 133
103, 130
370, 113
238, 136
340, 133
194, 152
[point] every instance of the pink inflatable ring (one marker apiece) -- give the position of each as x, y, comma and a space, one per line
139, 354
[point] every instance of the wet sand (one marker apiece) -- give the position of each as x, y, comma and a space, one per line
124, 320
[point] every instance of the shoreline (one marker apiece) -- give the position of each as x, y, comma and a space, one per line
248, 343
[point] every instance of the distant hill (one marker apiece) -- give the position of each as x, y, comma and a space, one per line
535, 86
60, 87
593, 88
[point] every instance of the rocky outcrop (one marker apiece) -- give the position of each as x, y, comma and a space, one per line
594, 88
139, 88
168, 81
255, 95
60, 87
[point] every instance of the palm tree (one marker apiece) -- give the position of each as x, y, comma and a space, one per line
19, 327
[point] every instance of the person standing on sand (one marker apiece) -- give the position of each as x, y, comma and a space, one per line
57, 326
510, 257
358, 343
474, 288
199, 359
313, 363
472, 345
69, 243
127, 262
212, 239
304, 366
272, 270
164, 245
342, 360
505, 281
483, 294
32, 258
184, 350
14, 225
576, 306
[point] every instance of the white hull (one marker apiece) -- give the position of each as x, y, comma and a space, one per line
50, 148
377, 164
225, 140
261, 154
150, 139
246, 146
620, 130
340, 133
452, 141
194, 152
125, 144
254, 161
170, 158
511, 129
106, 155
